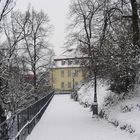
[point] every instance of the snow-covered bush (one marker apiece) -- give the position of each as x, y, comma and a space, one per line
122, 111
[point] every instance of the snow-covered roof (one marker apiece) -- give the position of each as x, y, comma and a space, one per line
69, 58
70, 54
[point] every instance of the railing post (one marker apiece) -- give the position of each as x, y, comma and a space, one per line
18, 126
25, 120
28, 118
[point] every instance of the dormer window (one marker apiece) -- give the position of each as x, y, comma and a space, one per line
54, 63
69, 62
63, 62
77, 62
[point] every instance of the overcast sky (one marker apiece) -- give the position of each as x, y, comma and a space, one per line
57, 11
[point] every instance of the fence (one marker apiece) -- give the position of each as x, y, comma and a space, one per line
19, 126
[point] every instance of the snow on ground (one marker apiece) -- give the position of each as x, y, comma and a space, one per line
65, 119
125, 113
121, 112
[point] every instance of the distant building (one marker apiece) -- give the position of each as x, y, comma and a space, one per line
66, 72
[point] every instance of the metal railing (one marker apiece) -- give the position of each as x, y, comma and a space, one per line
19, 126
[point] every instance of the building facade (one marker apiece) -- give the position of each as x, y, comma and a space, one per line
66, 72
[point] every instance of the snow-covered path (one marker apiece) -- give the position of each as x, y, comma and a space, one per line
65, 119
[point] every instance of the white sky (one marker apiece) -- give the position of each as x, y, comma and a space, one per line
57, 11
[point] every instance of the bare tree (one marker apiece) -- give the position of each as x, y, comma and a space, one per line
14, 32
6, 7
36, 45
86, 16
109, 32
25, 47
13, 28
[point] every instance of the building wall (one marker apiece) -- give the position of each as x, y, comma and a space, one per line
65, 79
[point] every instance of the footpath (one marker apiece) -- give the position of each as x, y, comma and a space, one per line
65, 119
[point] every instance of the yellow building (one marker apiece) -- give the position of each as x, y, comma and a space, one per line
66, 73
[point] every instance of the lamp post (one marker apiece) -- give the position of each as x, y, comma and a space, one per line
73, 81
95, 103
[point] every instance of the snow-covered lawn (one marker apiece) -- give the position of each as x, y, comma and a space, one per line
65, 119
126, 113
121, 112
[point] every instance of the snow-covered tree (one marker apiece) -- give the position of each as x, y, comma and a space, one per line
121, 29
108, 31
37, 52
24, 50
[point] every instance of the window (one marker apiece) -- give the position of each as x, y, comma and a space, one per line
69, 84
62, 85
76, 84
62, 73
69, 62
77, 62
69, 73
54, 63
76, 73
63, 62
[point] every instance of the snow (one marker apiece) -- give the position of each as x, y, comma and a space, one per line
121, 112
126, 113
65, 119
58, 64
71, 54
86, 93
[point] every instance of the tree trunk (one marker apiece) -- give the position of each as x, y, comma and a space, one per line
34, 78
135, 25
95, 86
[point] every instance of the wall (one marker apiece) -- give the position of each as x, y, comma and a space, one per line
57, 78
